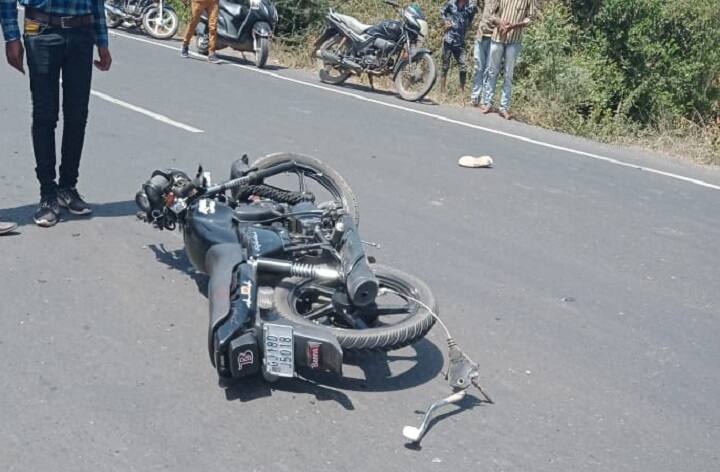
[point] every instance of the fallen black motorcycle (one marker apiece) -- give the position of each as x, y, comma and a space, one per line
245, 27
290, 286
391, 47
155, 17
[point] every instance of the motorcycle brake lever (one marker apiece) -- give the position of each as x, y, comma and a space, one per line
463, 372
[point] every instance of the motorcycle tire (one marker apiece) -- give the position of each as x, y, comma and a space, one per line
325, 175
262, 52
429, 80
112, 20
324, 70
150, 23
381, 338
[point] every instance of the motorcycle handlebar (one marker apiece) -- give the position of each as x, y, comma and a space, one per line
251, 177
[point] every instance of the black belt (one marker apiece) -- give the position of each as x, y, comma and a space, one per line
64, 22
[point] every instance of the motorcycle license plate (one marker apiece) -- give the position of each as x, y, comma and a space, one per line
279, 350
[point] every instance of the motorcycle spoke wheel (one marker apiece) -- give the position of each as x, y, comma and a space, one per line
329, 73
416, 79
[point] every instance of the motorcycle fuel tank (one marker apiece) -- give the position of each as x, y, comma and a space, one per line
208, 223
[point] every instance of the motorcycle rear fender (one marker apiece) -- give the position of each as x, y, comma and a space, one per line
262, 29
415, 54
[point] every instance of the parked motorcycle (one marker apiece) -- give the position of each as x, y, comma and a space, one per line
391, 47
243, 27
156, 17
290, 285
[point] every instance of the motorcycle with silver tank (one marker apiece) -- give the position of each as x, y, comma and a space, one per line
389, 48
155, 17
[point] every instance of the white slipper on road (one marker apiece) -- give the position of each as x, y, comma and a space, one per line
475, 161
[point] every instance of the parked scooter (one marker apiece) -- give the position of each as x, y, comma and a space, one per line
243, 27
156, 17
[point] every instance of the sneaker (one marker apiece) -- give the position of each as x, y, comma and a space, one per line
6, 227
185, 52
213, 58
48, 213
70, 198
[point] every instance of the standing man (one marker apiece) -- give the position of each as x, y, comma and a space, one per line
511, 18
486, 27
59, 37
198, 7
457, 16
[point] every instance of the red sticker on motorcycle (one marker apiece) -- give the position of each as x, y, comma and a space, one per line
313, 355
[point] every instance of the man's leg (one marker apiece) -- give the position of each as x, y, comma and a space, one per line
213, 8
446, 54
77, 76
481, 69
44, 57
512, 51
196, 11
478, 80
495, 58
461, 58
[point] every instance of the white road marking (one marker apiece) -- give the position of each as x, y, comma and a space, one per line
445, 119
151, 114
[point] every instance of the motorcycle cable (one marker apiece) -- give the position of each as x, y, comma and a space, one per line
462, 372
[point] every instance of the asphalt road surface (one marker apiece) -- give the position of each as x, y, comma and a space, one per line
586, 288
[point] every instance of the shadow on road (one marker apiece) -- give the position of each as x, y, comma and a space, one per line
178, 260
22, 215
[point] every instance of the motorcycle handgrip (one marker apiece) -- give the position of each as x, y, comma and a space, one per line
251, 177
362, 285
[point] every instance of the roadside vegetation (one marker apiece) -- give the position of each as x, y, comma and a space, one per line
629, 71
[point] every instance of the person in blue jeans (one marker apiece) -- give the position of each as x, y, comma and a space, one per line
511, 18
59, 37
486, 27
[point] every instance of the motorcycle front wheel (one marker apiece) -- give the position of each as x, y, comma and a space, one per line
262, 51
397, 319
328, 73
315, 171
415, 80
161, 26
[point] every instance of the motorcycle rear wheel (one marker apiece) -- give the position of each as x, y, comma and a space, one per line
160, 28
112, 20
293, 299
321, 173
327, 72
422, 73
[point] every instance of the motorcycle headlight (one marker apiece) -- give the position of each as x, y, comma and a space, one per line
255, 4
424, 30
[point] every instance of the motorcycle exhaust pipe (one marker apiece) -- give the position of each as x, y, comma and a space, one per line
336, 60
115, 11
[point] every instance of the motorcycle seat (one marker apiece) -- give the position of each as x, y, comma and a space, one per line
353, 23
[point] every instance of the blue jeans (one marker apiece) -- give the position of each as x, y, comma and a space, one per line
53, 53
482, 48
498, 52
